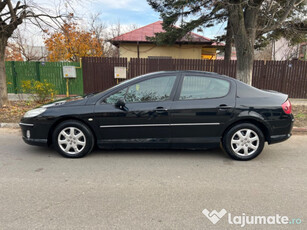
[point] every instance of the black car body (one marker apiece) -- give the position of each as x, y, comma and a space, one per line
179, 109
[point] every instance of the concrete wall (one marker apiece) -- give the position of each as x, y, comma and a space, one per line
184, 51
282, 50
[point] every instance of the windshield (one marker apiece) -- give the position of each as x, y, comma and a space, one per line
120, 84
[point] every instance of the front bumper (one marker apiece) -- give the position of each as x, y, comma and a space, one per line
39, 142
34, 134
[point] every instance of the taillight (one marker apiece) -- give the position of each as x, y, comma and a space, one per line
287, 107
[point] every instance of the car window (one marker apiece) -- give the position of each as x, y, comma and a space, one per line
198, 87
155, 89
116, 96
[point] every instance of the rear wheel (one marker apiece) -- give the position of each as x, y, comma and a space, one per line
243, 142
73, 139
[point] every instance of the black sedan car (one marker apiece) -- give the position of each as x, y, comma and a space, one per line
179, 109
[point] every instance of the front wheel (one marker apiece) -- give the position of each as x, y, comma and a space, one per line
73, 139
243, 141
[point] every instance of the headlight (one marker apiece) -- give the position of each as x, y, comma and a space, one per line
34, 112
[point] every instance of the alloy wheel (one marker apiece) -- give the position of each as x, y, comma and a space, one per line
245, 142
71, 140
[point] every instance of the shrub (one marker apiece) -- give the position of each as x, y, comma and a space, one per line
40, 91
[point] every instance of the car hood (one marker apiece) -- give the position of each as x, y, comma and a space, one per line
65, 102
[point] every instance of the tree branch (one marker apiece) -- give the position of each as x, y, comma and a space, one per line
16, 8
12, 11
288, 8
2, 5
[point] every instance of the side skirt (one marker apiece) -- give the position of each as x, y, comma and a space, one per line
155, 143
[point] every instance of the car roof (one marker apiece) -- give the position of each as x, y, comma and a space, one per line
212, 74
182, 71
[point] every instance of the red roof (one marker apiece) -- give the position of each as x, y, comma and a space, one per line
140, 34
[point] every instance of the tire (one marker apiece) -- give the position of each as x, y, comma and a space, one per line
73, 139
243, 141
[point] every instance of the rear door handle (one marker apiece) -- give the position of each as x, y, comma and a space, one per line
161, 110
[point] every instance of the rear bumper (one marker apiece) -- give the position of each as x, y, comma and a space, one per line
279, 138
281, 130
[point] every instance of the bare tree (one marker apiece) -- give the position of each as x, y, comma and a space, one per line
105, 32
99, 29
27, 47
115, 30
11, 16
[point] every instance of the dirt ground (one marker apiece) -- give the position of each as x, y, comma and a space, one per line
13, 112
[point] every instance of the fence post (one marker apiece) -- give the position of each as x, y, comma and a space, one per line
38, 75
14, 74
283, 76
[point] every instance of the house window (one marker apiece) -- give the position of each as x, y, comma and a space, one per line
159, 57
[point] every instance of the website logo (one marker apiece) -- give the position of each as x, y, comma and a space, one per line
214, 216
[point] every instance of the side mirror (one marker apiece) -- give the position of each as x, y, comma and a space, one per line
120, 104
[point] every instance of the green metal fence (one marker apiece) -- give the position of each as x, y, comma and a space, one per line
52, 72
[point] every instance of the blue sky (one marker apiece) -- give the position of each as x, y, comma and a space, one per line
134, 12
127, 12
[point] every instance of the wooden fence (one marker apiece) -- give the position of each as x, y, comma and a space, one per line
100, 73
289, 77
139, 66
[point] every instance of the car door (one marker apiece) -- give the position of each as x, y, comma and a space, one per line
107, 115
144, 118
203, 103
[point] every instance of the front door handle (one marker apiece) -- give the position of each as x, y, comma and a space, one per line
161, 110
224, 107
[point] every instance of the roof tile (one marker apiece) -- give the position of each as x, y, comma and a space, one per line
140, 34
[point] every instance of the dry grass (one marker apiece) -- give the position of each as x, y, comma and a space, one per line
300, 115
